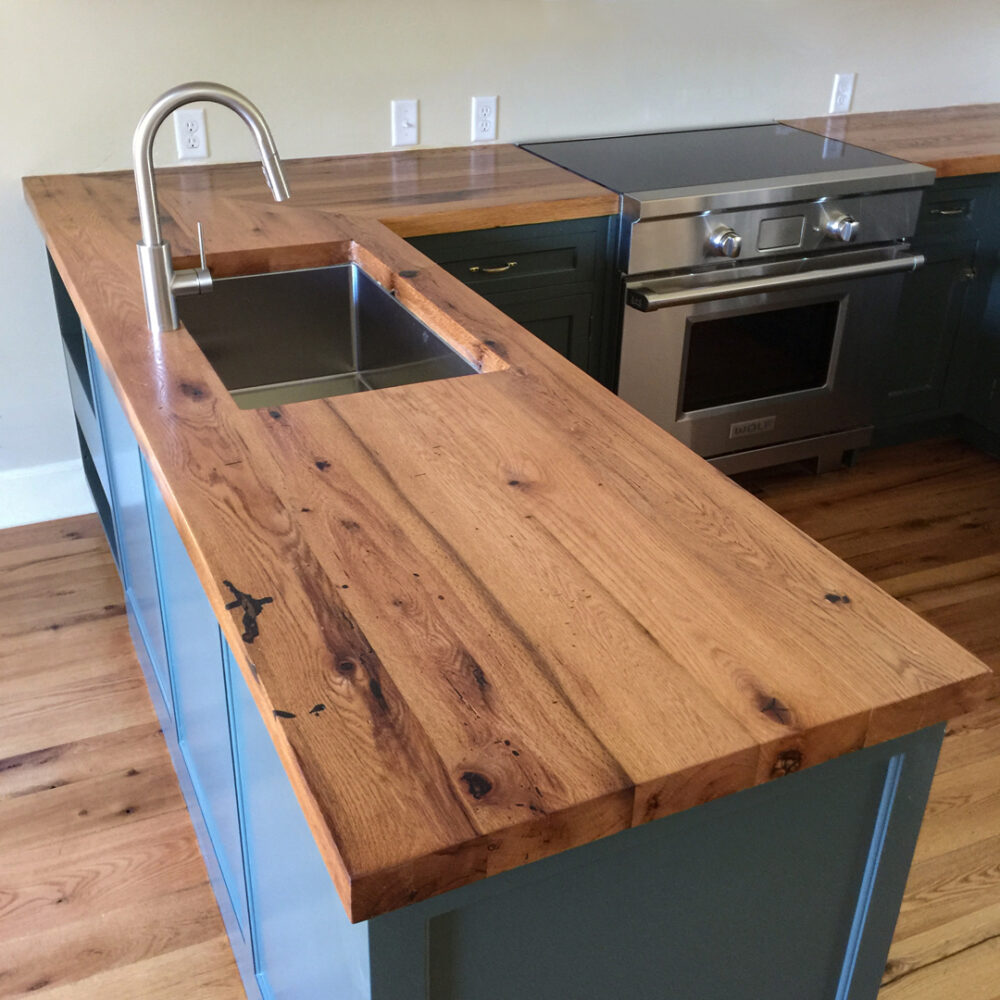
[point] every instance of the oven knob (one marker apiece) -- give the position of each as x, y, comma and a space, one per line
842, 227
725, 242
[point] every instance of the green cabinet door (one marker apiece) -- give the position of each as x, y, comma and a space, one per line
561, 321
929, 369
932, 311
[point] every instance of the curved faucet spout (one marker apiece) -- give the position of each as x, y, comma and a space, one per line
159, 282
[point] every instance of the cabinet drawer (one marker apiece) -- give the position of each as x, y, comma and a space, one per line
950, 209
520, 256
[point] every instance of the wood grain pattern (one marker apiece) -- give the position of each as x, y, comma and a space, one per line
102, 890
413, 192
534, 617
955, 141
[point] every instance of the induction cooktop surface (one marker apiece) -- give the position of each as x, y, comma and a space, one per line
657, 161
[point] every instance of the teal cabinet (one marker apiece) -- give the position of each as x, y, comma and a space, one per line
931, 326
557, 279
982, 403
932, 366
564, 322
196, 653
137, 560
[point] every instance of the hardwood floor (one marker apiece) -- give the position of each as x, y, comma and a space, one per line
923, 521
103, 893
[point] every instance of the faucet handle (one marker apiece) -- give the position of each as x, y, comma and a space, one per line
193, 280
201, 248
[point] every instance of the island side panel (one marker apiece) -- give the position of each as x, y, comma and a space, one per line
787, 889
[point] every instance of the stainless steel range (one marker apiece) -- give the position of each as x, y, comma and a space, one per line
762, 267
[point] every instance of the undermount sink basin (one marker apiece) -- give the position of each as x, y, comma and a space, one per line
327, 331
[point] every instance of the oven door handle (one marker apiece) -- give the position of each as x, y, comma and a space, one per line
640, 296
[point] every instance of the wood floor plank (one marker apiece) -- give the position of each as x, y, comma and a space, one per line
964, 808
948, 886
66, 763
971, 738
78, 709
51, 533
942, 941
205, 970
68, 953
967, 975
110, 800
42, 886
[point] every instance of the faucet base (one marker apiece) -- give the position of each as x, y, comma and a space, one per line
156, 271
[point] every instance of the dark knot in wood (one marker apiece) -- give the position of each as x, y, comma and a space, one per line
775, 710
786, 762
252, 607
479, 784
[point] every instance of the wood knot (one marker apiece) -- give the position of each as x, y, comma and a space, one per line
775, 710
478, 784
837, 598
192, 390
786, 762
322, 464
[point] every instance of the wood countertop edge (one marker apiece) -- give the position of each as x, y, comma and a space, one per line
526, 368
956, 141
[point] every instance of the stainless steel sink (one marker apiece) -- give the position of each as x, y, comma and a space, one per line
327, 331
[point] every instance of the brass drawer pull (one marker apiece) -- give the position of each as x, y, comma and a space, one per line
494, 270
947, 211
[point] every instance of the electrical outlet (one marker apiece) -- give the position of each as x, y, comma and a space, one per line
191, 133
484, 119
405, 120
843, 93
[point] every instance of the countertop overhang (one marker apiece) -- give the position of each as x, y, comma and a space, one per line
533, 617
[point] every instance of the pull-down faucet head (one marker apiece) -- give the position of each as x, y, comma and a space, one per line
159, 281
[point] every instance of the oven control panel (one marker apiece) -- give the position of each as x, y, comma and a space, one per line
748, 234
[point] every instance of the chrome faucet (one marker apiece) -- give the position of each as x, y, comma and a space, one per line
160, 282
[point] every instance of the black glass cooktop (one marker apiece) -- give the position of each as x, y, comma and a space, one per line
657, 161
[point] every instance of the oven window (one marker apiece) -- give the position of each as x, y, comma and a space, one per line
753, 355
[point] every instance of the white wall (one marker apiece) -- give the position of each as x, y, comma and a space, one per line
75, 75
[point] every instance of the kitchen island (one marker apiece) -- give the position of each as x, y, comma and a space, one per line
483, 621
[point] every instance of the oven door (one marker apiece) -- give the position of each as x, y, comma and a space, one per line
755, 355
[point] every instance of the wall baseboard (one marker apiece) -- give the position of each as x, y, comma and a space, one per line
43, 493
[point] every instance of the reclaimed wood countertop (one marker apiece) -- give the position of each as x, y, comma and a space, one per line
533, 617
955, 141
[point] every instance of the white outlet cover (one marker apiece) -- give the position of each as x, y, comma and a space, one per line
191, 133
405, 122
842, 94
484, 119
